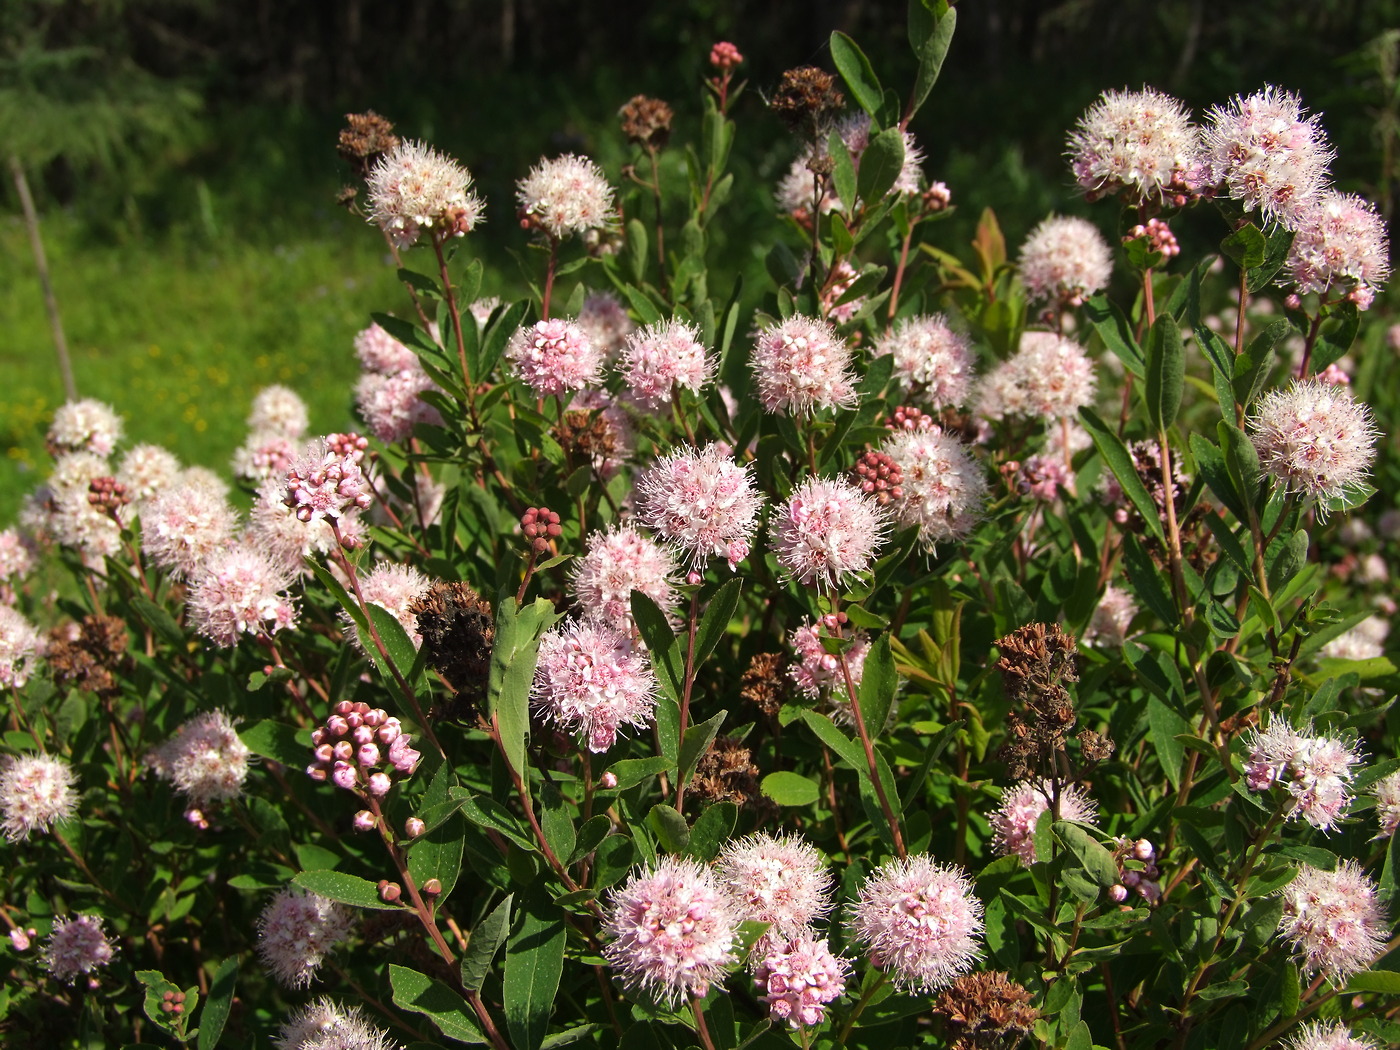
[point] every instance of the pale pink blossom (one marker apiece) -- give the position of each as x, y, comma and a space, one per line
661, 357
71, 518
413, 188
84, 426
944, 489
296, 931
1387, 792
394, 588
16, 556
551, 357
205, 760
76, 946
827, 531
778, 879
146, 470
1340, 243
241, 591
701, 502
20, 645
1317, 771
817, 672
617, 563
1268, 155
264, 455
36, 792
800, 978
278, 410
837, 285
566, 195
1013, 825
672, 930
1316, 439
1137, 143
183, 526
1049, 377
1365, 641
391, 404
919, 921
324, 483
604, 320
380, 352
1065, 259
1330, 1035
931, 359
801, 365
1334, 920
325, 1025
275, 530
1112, 618
590, 680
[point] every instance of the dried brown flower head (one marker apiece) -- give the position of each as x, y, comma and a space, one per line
84, 656
726, 773
365, 136
1095, 747
1036, 661
458, 632
986, 1010
647, 121
588, 435
763, 682
806, 98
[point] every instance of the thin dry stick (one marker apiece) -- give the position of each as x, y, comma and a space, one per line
41, 263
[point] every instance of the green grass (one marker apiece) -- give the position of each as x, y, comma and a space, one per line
178, 336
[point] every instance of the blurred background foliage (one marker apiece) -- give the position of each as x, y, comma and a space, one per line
182, 154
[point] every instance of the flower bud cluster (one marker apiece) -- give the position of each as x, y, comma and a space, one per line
327, 483
108, 495
879, 475
1159, 237
724, 56
1137, 871
540, 525
354, 742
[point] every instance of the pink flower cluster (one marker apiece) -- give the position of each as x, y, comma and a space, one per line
326, 483
1315, 438
590, 680
1049, 378
36, 792
1340, 243
827, 531
661, 357
931, 359
1334, 920
566, 195
817, 673
413, 188
296, 931
701, 502
617, 563
389, 393
354, 741
1316, 770
944, 489
19, 647
551, 357
205, 759
781, 880
1013, 825
1065, 260
800, 978
802, 365
394, 588
76, 946
1140, 144
241, 591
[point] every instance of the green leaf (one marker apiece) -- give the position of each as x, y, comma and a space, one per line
396, 641
697, 741
1147, 581
160, 621
486, 939
716, 619
880, 165
1166, 372
856, 71
1252, 367
1276, 247
838, 741
281, 743
712, 829
1120, 461
558, 826
440, 1004
843, 171
1116, 333
533, 966
669, 827
1335, 335
932, 50
612, 860
437, 853
513, 660
790, 789
1210, 464
1387, 981
1241, 459
1089, 851
1222, 362
594, 830
637, 254
878, 684
347, 889
1246, 247
1163, 727
218, 1004
632, 771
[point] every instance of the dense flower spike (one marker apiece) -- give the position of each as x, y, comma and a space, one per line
296, 931
567, 195
241, 591
1065, 260
184, 526
1112, 618
380, 352
36, 792
551, 357
325, 1025
392, 404
1334, 920
672, 930
16, 556
1050, 378
1387, 792
1315, 438
827, 531
326, 482
76, 946
604, 320
701, 502
799, 979
279, 410
146, 470
413, 188
19, 647
85, 426
1137, 143
1268, 155
944, 489
661, 357
1316, 770
931, 359
919, 921
266, 454
617, 563
781, 880
1365, 641
817, 673
394, 588
590, 680
1013, 825
1340, 244
205, 759
802, 365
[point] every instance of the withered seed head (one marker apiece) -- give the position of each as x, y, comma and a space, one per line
83, 656
763, 682
986, 1010
726, 773
647, 121
365, 136
805, 98
458, 633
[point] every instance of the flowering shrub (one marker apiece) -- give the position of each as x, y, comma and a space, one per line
913, 651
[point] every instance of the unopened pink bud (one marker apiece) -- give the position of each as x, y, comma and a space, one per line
368, 755
343, 751
379, 784
343, 708
389, 892
693, 578
387, 734
376, 717
316, 773
413, 827
344, 775
1144, 850
362, 734
608, 780
20, 939
1118, 893
337, 726
354, 720
365, 820
432, 887
318, 736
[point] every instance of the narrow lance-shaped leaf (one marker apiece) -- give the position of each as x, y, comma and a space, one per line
856, 71
1166, 372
